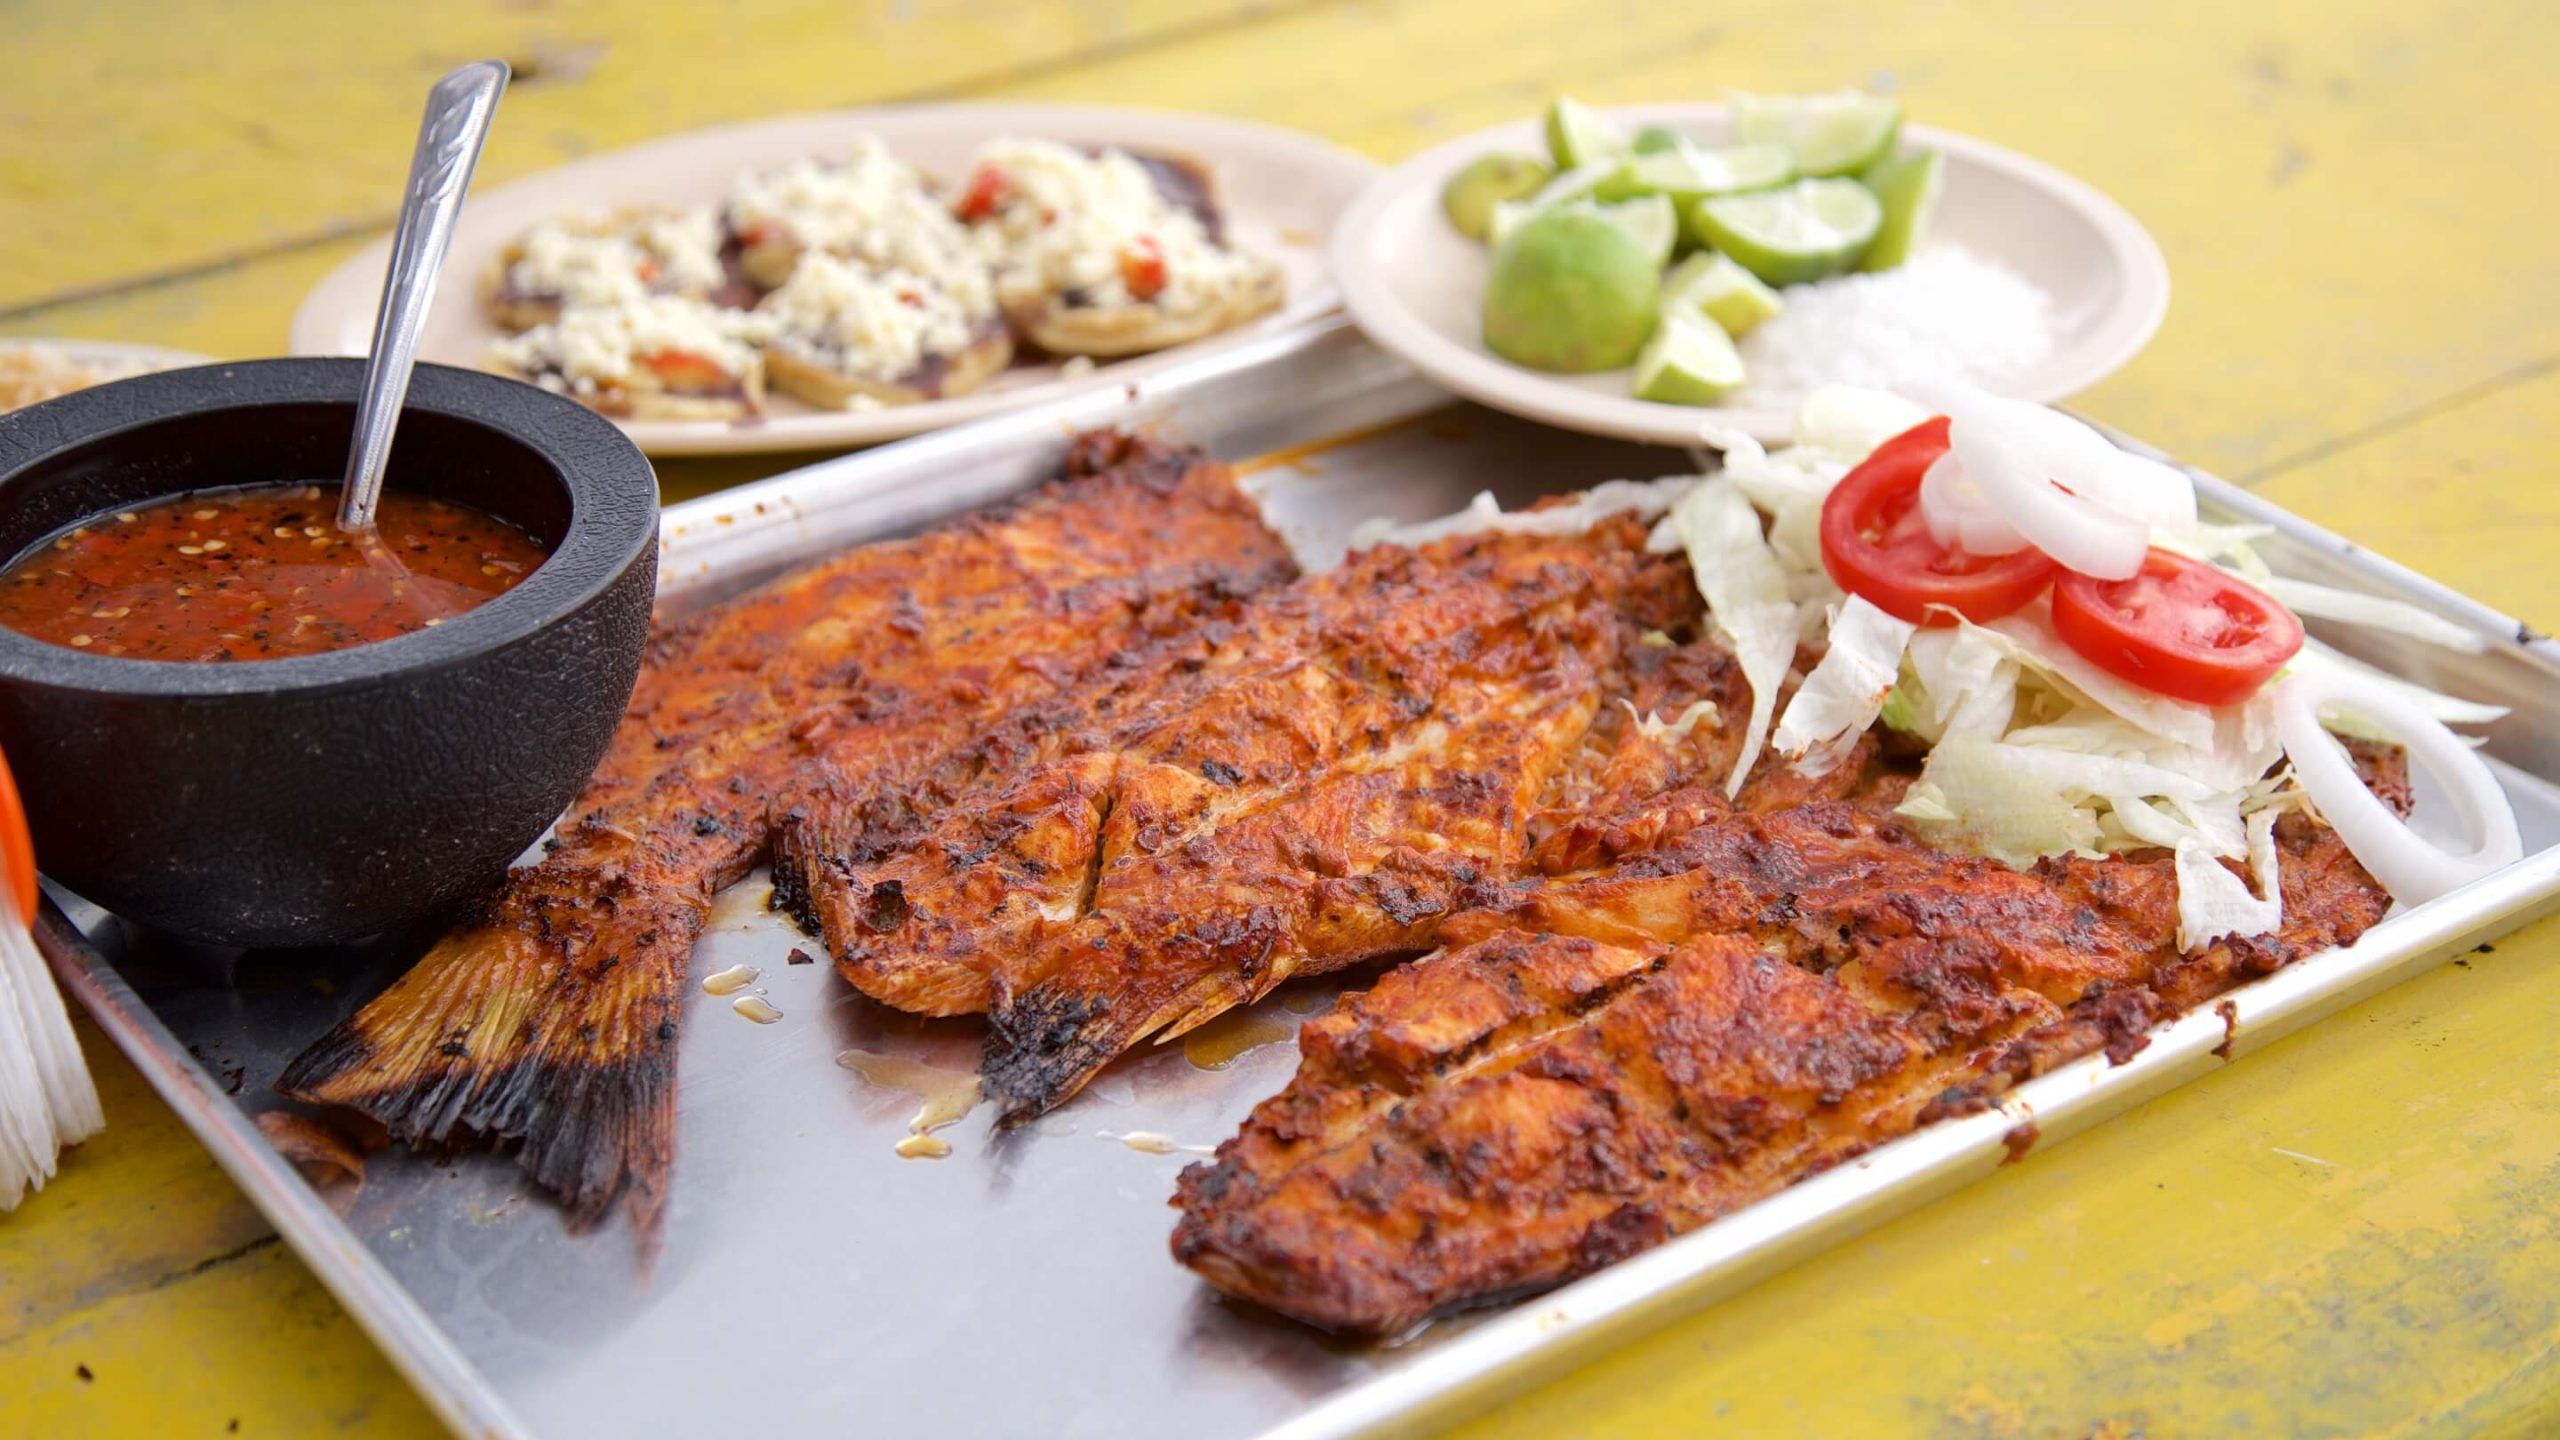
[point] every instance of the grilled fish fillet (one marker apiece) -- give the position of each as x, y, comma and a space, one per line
549, 1019
1606, 1060
1315, 792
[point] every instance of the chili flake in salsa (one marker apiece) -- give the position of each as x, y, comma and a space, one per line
259, 573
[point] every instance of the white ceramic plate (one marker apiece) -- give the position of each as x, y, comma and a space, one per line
1280, 193
1415, 284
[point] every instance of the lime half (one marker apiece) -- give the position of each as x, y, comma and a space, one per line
1571, 291
1907, 186
1713, 285
1687, 362
1578, 135
1689, 172
1804, 231
1838, 134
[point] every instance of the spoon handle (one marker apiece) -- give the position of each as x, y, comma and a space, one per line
456, 125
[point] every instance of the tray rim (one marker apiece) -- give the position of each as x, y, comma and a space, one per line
1538, 1337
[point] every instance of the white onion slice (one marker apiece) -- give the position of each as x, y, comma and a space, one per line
1960, 516
2160, 496
2016, 471
2414, 870
2021, 455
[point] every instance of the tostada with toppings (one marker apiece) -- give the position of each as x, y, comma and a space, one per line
1105, 252
598, 259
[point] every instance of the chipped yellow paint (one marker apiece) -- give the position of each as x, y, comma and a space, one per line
2363, 327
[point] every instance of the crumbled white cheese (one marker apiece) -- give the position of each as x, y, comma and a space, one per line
686, 245
586, 259
868, 206
1067, 217
593, 346
881, 324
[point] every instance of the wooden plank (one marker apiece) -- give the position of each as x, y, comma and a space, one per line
179, 137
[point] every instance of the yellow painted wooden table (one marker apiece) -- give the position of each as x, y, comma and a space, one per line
2349, 1234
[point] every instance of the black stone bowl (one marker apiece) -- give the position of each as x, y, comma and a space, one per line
325, 797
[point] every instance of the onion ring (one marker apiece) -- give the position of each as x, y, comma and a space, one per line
2413, 869
1959, 516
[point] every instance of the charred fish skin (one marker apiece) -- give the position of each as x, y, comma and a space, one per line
1316, 795
548, 1020
1600, 1061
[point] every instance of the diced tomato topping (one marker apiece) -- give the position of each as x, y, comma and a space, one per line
648, 270
1877, 546
987, 192
2179, 627
686, 370
1142, 268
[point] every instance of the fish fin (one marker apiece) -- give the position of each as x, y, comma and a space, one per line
565, 1052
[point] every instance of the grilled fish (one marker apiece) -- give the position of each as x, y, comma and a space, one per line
1317, 791
548, 1019
1604, 1060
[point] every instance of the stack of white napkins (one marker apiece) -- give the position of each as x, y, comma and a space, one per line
47, 1099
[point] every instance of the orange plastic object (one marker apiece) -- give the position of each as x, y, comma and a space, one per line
17, 848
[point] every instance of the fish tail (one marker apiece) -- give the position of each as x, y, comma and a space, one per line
502, 1033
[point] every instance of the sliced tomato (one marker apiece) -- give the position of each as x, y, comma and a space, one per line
1142, 268
2178, 627
1877, 546
987, 191
17, 849
685, 370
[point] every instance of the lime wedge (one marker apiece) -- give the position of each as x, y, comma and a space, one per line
1488, 180
1687, 362
1651, 220
1689, 172
1655, 139
1804, 231
1582, 182
1907, 186
1578, 135
1838, 134
1723, 291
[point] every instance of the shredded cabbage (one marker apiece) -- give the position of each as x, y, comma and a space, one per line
1841, 698
2213, 902
1746, 595
2353, 607
1653, 727
2316, 658
1967, 680
1643, 498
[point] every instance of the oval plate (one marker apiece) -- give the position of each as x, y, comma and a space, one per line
1280, 192
1415, 284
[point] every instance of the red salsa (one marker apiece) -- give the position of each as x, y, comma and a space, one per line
259, 573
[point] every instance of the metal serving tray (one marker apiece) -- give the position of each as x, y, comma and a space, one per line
813, 1282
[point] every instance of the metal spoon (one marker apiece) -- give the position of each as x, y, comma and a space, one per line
456, 125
